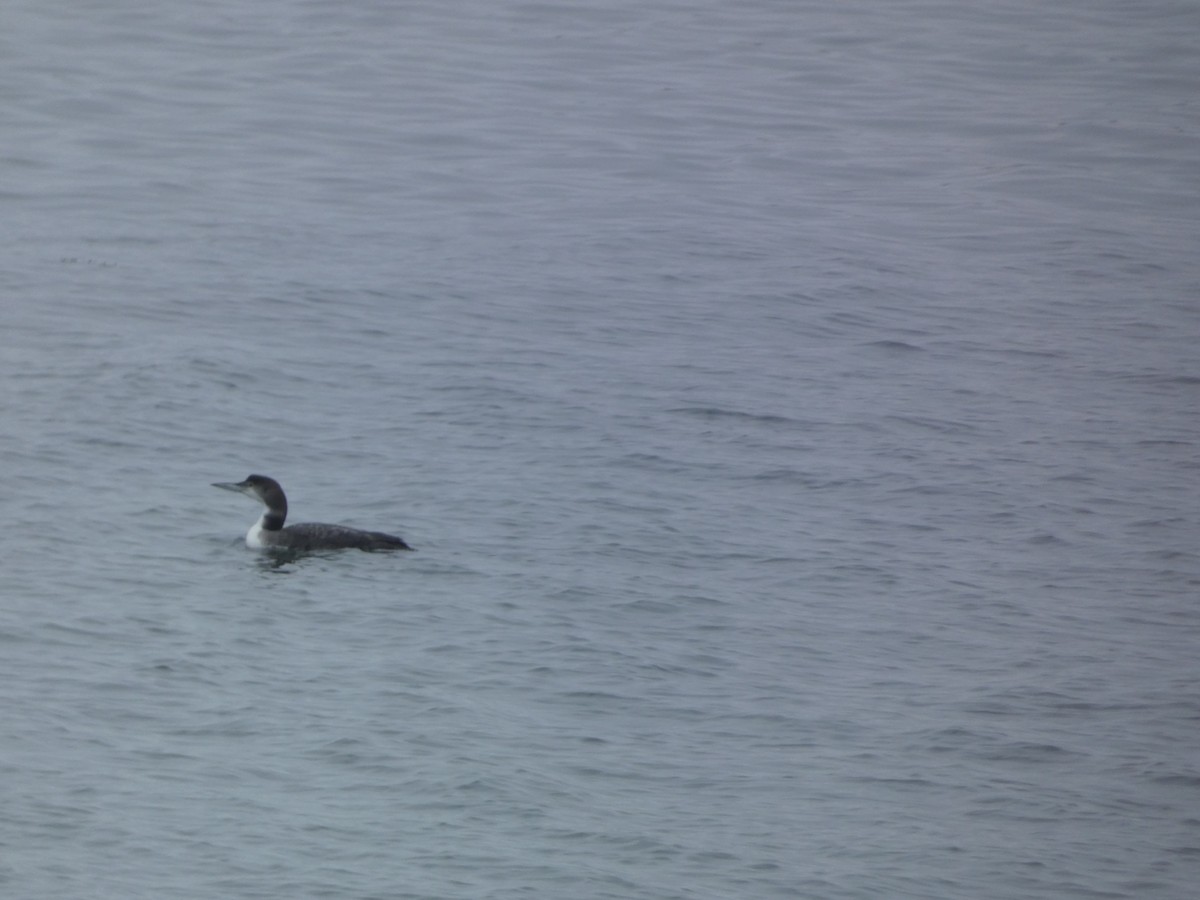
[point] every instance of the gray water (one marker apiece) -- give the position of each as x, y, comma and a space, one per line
794, 407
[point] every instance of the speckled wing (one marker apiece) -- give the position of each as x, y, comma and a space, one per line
317, 536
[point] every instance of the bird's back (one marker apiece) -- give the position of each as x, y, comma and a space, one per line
317, 536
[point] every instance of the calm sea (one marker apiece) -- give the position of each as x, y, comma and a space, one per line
794, 407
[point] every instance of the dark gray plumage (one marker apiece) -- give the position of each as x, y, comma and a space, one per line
269, 533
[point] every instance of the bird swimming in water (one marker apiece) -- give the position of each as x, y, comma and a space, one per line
268, 533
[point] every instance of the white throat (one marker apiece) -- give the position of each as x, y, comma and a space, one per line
254, 537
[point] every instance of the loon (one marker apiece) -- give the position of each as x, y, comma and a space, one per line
268, 532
